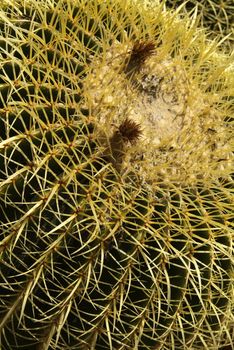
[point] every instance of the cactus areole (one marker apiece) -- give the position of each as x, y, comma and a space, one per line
116, 178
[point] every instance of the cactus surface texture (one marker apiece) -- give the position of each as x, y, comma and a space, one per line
216, 15
116, 179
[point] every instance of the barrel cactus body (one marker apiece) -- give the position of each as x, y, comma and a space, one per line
116, 189
216, 15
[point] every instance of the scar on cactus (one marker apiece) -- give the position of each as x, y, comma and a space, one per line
140, 52
128, 131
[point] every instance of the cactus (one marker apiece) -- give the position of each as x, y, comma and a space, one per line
116, 190
216, 15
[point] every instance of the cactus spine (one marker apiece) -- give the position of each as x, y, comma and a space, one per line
116, 188
215, 15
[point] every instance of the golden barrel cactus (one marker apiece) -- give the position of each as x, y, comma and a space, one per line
116, 185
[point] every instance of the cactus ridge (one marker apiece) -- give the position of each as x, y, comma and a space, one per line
100, 248
215, 15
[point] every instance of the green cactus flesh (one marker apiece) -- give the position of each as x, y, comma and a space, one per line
113, 238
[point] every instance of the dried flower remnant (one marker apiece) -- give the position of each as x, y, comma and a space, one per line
140, 52
128, 131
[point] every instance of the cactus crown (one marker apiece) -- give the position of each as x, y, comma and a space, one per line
116, 192
172, 88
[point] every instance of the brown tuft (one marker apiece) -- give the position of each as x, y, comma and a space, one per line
139, 53
130, 130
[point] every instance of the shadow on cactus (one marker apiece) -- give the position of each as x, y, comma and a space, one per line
116, 194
